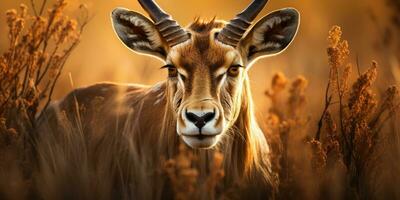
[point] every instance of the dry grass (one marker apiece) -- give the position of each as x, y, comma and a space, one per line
184, 177
352, 154
39, 46
344, 157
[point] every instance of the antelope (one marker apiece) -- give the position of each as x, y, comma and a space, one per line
205, 102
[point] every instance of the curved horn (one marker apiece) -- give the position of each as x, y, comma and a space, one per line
166, 26
233, 32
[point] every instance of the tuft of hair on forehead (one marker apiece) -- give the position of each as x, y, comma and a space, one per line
202, 50
205, 26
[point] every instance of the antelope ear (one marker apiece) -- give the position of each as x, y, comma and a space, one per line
138, 33
271, 34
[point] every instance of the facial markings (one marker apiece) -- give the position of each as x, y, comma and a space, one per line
203, 64
203, 82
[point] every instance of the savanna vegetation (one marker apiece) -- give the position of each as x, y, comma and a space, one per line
351, 150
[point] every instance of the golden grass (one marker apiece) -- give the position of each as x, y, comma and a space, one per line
39, 46
339, 160
184, 177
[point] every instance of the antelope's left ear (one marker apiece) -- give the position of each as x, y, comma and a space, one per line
138, 33
271, 34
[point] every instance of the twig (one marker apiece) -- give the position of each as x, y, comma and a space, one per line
328, 100
358, 65
34, 8
42, 7
63, 59
26, 77
58, 75
348, 143
4, 104
37, 14
48, 64
390, 115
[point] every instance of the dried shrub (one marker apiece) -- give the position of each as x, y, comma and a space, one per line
39, 46
358, 115
341, 158
286, 130
184, 176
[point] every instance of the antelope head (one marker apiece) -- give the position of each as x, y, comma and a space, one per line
207, 62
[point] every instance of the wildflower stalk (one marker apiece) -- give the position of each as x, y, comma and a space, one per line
348, 151
328, 100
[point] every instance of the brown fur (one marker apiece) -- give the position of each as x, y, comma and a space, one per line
142, 121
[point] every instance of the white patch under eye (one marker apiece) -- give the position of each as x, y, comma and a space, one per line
182, 73
222, 82
181, 81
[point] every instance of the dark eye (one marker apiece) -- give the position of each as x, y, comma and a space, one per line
172, 71
234, 70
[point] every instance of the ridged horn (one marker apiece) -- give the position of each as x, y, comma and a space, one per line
169, 29
233, 32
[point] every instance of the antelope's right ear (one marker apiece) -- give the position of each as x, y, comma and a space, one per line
271, 34
138, 33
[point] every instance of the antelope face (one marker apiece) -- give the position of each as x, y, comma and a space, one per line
206, 76
207, 63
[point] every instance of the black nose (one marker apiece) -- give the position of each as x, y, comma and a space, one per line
200, 121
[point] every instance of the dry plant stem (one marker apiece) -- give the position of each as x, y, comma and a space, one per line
360, 121
391, 113
387, 105
22, 76
340, 95
64, 59
328, 99
44, 2
358, 65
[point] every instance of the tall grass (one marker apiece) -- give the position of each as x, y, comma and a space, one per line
39, 46
344, 158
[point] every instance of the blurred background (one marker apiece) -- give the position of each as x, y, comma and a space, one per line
370, 26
